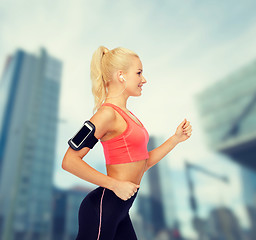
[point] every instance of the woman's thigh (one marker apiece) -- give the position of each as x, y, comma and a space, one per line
100, 213
125, 230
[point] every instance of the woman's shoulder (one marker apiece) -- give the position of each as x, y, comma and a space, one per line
107, 112
103, 120
104, 114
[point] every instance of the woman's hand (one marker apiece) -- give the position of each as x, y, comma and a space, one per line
183, 131
125, 189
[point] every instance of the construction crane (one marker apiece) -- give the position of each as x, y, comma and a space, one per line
198, 222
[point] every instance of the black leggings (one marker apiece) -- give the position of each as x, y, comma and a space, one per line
104, 216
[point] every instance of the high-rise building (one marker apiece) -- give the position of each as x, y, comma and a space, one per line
29, 102
167, 186
224, 224
74, 198
156, 201
249, 190
156, 195
249, 197
59, 208
228, 115
66, 205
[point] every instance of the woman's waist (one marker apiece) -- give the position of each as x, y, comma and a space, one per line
132, 172
118, 158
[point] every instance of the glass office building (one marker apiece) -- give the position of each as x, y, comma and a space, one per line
155, 203
75, 197
249, 195
66, 205
29, 102
228, 113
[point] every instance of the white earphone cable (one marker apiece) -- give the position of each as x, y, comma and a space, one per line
120, 93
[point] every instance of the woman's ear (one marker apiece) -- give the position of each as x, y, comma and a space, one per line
120, 76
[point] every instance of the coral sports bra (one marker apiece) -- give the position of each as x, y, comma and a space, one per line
129, 146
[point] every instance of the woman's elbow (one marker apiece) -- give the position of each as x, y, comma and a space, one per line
71, 157
64, 164
66, 161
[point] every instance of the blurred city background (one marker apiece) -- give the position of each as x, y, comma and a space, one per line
199, 58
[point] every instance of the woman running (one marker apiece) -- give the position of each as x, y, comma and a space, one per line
104, 213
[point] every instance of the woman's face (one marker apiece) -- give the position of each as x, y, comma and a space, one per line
134, 78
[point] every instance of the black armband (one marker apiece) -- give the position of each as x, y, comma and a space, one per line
84, 137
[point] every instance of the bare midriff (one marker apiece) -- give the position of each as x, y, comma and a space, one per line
132, 172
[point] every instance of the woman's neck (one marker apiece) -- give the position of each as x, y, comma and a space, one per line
120, 101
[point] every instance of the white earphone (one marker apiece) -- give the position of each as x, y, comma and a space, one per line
121, 76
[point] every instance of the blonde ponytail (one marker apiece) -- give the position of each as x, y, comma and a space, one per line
103, 65
99, 89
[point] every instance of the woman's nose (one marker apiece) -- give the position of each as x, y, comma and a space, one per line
144, 79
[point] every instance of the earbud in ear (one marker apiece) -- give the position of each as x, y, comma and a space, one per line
121, 76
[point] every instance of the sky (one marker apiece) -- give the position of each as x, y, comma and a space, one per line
184, 46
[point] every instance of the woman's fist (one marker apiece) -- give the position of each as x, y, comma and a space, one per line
184, 131
125, 189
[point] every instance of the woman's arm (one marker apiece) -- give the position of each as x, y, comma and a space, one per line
160, 152
73, 162
182, 133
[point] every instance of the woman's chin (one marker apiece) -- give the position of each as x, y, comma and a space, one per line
137, 95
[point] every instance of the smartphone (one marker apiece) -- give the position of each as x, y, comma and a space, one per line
81, 135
